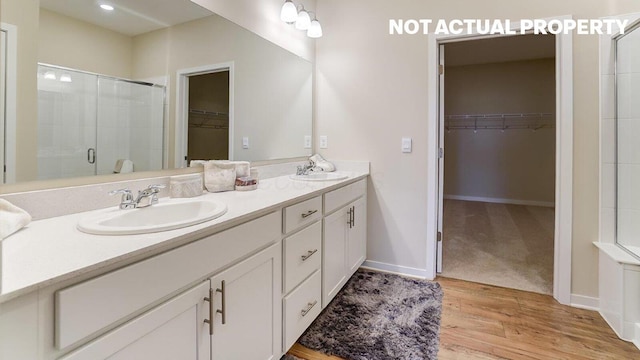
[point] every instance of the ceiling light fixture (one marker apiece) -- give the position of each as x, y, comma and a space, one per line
65, 78
50, 75
106, 7
289, 13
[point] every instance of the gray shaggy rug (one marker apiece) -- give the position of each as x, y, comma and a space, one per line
379, 316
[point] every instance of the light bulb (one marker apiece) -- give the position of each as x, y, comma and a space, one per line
315, 30
303, 21
65, 78
50, 75
106, 7
289, 13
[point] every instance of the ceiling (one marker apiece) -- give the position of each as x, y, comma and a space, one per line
130, 17
500, 49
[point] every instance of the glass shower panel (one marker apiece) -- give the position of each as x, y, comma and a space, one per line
130, 125
628, 146
66, 123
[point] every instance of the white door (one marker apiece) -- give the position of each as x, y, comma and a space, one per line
248, 309
173, 330
440, 156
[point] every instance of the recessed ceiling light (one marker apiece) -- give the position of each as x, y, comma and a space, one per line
106, 7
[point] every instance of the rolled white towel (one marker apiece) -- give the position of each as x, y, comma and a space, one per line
12, 218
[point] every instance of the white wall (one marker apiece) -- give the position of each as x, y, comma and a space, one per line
517, 164
372, 90
263, 18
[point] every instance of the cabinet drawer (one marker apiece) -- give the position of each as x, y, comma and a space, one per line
301, 214
85, 308
302, 255
337, 198
301, 307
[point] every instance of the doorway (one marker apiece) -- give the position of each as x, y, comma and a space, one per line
563, 164
499, 168
208, 135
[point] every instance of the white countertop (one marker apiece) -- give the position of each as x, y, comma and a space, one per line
52, 250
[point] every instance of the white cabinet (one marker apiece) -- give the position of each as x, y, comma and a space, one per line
247, 318
173, 330
345, 238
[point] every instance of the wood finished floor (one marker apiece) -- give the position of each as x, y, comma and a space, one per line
488, 322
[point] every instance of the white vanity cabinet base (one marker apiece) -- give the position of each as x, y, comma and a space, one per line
301, 307
88, 307
252, 310
173, 330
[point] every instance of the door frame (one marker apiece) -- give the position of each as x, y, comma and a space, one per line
564, 155
182, 108
10, 112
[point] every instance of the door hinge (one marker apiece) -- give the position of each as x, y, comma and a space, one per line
441, 69
440, 153
439, 236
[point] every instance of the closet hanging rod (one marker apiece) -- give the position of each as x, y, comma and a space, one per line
207, 113
498, 116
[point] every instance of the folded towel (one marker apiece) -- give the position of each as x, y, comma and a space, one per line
12, 218
321, 163
219, 176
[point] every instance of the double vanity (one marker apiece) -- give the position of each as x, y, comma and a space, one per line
244, 285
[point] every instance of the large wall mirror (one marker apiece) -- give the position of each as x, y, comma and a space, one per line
146, 86
627, 48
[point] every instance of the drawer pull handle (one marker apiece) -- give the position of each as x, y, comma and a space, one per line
310, 306
222, 312
309, 253
309, 213
210, 319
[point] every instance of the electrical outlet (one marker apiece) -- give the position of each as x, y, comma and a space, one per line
307, 141
324, 142
245, 142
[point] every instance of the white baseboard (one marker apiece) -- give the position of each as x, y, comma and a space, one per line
500, 200
636, 339
585, 302
396, 269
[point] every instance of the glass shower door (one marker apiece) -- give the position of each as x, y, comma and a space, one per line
67, 106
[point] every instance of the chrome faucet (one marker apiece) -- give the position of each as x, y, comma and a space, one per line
304, 169
127, 201
146, 197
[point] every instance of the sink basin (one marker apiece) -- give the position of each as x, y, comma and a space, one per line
320, 176
168, 215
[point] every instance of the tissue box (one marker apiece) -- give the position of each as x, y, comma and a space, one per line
185, 186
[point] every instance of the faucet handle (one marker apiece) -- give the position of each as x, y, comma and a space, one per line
156, 187
126, 193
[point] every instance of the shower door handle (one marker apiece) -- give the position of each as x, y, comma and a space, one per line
91, 156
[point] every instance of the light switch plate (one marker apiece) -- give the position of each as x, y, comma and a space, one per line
324, 142
406, 145
245, 142
307, 141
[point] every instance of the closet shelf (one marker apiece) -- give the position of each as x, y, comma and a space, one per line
511, 121
208, 119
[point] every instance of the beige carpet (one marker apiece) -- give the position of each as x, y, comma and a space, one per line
499, 244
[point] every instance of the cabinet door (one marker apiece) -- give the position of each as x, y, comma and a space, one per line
173, 330
334, 271
357, 236
248, 298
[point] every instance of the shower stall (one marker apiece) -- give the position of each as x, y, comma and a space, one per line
87, 122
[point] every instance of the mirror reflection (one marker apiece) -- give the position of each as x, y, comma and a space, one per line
147, 86
627, 146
